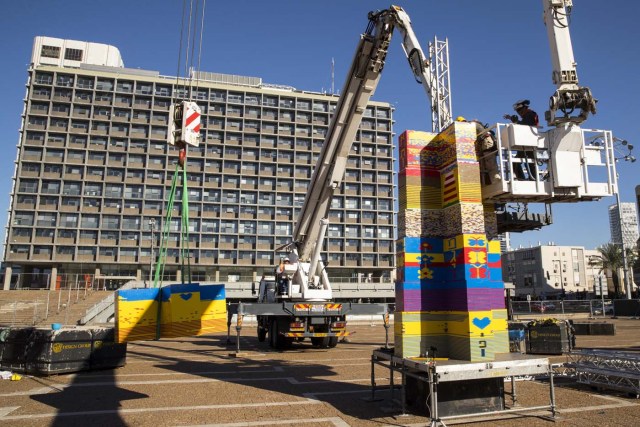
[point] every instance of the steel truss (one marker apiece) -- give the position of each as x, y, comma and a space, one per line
611, 369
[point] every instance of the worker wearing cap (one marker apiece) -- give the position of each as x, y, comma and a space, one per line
528, 117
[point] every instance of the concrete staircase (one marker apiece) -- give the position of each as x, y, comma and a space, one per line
43, 307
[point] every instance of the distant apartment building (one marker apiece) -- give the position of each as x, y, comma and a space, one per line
550, 272
505, 242
623, 223
93, 173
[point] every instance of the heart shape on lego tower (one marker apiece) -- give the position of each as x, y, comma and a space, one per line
186, 297
481, 323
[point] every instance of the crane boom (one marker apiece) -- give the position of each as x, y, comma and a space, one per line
360, 85
569, 96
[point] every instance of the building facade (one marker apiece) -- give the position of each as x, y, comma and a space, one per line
94, 171
550, 272
623, 224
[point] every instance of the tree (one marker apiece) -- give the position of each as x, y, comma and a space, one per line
610, 258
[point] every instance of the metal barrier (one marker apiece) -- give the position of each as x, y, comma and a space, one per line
593, 307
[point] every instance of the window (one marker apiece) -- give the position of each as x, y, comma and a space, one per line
22, 218
30, 167
153, 193
50, 51
51, 187
107, 251
28, 186
73, 54
86, 250
42, 250
247, 227
111, 222
31, 200
265, 227
93, 190
46, 219
131, 223
334, 230
69, 220
70, 201
72, 188
37, 121
384, 232
64, 80
44, 78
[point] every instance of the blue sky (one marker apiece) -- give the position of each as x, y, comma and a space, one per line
499, 53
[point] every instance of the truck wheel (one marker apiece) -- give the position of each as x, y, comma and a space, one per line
276, 340
320, 342
262, 334
273, 333
333, 341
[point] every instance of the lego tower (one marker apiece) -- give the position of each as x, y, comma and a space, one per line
449, 291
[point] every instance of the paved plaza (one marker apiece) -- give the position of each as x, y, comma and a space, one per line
199, 381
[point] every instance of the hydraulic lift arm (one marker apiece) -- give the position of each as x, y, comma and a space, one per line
569, 96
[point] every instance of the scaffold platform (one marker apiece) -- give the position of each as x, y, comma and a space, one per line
434, 372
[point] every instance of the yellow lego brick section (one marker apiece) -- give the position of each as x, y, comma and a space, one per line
419, 197
474, 324
469, 182
494, 246
214, 317
462, 241
136, 319
417, 258
181, 315
480, 323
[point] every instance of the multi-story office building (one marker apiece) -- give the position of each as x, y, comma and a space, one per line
549, 271
93, 173
623, 223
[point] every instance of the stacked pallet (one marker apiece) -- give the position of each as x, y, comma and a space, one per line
449, 292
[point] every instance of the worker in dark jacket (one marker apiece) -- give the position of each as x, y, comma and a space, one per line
528, 117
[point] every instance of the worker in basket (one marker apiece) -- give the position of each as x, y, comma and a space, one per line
488, 148
281, 276
523, 168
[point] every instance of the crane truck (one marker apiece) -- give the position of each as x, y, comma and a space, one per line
297, 302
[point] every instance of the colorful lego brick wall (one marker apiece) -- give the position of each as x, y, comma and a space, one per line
449, 291
185, 310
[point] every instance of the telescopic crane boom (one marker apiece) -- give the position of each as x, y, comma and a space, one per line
358, 89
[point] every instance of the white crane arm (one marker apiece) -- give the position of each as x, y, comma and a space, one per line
569, 96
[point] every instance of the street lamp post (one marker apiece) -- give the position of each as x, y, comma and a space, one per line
623, 151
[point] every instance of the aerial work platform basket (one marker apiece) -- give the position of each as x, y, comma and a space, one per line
563, 164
